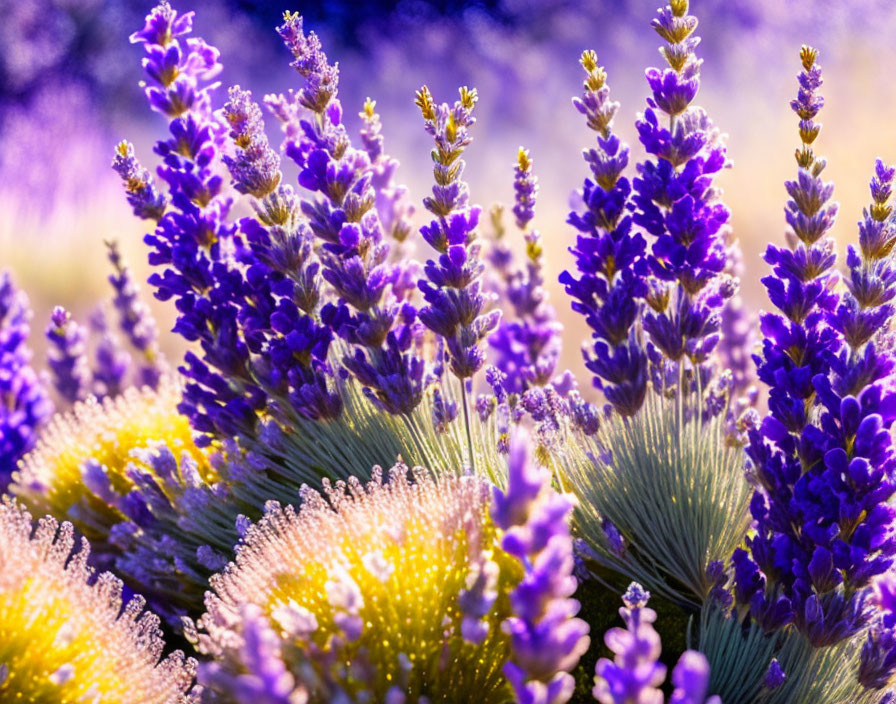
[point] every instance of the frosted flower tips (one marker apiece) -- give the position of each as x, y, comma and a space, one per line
389, 589
67, 638
79, 469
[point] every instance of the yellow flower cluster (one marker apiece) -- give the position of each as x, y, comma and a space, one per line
401, 582
64, 640
80, 466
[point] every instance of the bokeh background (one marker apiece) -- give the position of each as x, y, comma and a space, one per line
69, 92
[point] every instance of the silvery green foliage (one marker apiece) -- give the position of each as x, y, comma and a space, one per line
208, 518
662, 495
741, 656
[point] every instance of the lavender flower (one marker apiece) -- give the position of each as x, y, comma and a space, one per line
675, 202
256, 167
738, 337
135, 320
528, 347
457, 304
176, 68
282, 287
112, 363
878, 660
608, 253
369, 312
796, 348
546, 639
392, 203
67, 356
191, 238
147, 202
824, 458
635, 674
265, 679
24, 404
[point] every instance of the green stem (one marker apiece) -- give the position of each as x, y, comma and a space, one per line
463, 397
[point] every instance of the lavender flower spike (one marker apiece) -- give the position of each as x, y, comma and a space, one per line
191, 243
457, 305
369, 312
546, 639
282, 282
135, 320
176, 67
676, 204
608, 255
67, 356
256, 167
24, 404
111, 362
528, 346
147, 202
635, 674
787, 451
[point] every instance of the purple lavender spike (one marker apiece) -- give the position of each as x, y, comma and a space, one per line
190, 242
676, 204
635, 674
135, 320
546, 638
528, 345
24, 404
111, 362
67, 356
370, 311
457, 306
823, 457
609, 287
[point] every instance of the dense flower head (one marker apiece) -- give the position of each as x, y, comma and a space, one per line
191, 244
176, 65
370, 310
608, 253
457, 305
547, 640
527, 344
311, 62
871, 276
24, 404
256, 167
82, 467
394, 591
67, 356
66, 634
676, 203
635, 673
277, 290
823, 457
